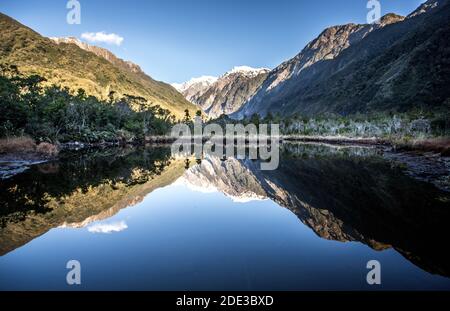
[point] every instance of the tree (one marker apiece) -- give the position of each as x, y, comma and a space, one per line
53, 113
187, 117
255, 119
13, 112
111, 97
269, 117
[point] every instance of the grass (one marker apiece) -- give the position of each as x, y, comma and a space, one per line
47, 149
439, 145
27, 145
21, 144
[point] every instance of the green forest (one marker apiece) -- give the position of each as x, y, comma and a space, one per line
56, 115
48, 113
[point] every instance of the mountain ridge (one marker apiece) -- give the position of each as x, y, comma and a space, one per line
70, 66
354, 68
102, 52
226, 94
195, 87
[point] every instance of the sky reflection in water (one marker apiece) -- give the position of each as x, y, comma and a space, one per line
179, 238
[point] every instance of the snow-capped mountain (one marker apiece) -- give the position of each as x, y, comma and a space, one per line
195, 87
247, 71
224, 95
230, 177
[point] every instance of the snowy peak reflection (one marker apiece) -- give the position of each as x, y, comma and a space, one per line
343, 194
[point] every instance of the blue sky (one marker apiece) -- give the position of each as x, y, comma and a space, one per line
174, 41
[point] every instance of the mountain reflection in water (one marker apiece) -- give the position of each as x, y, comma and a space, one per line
341, 193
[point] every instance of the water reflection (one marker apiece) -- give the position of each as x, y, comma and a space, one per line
78, 190
342, 193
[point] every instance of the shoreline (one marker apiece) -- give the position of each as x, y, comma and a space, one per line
425, 164
13, 164
337, 140
440, 145
289, 138
22, 160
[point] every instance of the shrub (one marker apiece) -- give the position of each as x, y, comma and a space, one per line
47, 149
440, 145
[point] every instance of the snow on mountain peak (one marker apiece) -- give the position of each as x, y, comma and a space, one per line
68, 40
424, 8
203, 81
246, 70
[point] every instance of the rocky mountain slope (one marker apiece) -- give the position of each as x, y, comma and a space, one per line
194, 88
104, 53
75, 65
228, 93
397, 65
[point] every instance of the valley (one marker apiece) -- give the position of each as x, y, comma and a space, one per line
230, 175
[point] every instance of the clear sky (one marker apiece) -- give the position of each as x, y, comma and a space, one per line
175, 40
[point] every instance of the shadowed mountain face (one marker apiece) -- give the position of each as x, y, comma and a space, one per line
341, 193
70, 63
397, 65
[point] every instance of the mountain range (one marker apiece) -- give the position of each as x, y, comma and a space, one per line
195, 87
70, 63
226, 94
396, 65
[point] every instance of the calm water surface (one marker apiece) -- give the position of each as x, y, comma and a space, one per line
140, 219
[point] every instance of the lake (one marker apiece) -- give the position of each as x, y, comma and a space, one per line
140, 219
